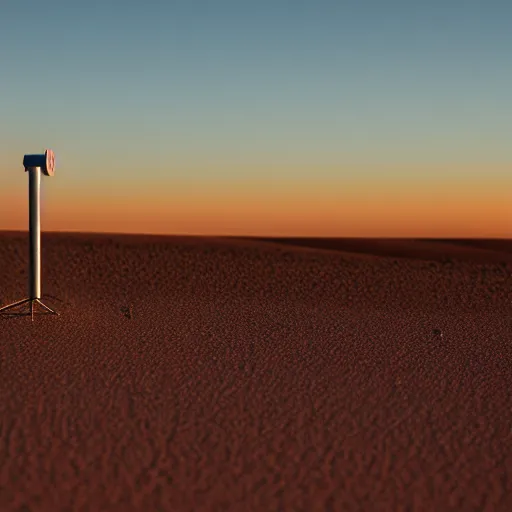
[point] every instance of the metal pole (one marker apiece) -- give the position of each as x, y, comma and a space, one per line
35, 165
35, 232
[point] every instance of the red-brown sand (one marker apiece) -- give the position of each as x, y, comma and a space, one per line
257, 375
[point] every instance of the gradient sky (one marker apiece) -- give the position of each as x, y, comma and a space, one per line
269, 117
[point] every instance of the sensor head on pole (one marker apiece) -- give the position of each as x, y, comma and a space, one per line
46, 162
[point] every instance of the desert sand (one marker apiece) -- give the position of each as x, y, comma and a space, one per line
223, 374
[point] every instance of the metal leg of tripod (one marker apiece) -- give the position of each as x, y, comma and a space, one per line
32, 303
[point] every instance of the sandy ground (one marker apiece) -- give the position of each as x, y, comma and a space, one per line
190, 374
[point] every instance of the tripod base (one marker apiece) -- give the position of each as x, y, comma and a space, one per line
32, 303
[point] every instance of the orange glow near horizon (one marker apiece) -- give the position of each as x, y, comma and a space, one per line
309, 210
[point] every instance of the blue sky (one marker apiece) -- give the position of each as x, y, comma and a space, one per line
234, 91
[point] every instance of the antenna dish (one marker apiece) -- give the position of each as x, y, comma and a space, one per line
50, 162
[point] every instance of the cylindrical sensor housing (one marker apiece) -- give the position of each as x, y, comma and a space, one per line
46, 162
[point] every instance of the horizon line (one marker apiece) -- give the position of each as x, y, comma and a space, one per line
256, 237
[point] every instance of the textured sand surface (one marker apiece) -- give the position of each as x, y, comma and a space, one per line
253, 375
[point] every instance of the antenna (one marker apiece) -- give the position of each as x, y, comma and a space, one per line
35, 164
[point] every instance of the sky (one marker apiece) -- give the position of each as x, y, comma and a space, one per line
260, 118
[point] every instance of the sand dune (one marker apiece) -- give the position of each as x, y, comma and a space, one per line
228, 374
485, 251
